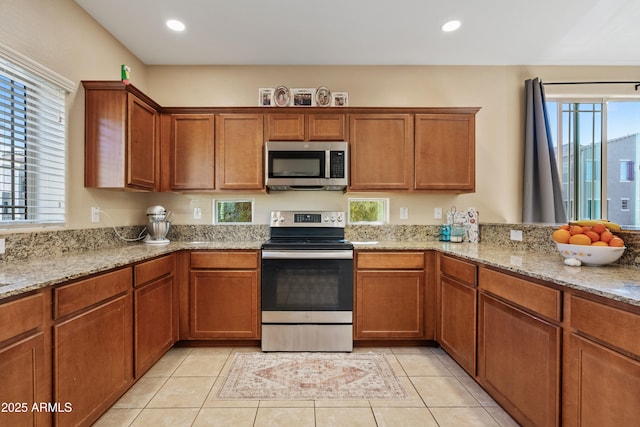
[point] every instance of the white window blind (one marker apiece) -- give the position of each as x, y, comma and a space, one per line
32, 143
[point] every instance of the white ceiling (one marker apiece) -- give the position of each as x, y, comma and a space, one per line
375, 32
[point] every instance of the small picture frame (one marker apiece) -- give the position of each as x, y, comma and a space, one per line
340, 99
265, 97
303, 97
281, 96
323, 96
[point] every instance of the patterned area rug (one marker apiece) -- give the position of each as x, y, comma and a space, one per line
311, 376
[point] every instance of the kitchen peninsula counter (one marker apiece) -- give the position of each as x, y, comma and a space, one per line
620, 283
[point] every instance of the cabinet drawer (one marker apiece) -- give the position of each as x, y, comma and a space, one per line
459, 270
391, 260
538, 298
224, 260
150, 270
85, 293
618, 327
22, 315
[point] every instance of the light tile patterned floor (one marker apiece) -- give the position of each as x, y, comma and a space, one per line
180, 391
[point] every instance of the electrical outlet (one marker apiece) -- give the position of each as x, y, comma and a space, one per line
197, 213
95, 214
516, 235
437, 213
404, 213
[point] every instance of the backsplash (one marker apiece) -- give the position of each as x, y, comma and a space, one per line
42, 244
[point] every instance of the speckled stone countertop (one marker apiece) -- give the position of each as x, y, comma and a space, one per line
617, 282
621, 283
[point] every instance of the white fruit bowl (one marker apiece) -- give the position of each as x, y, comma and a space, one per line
591, 255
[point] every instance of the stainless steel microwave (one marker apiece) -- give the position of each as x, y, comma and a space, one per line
314, 165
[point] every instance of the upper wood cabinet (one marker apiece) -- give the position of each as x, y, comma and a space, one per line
239, 158
121, 137
381, 151
192, 152
305, 127
445, 152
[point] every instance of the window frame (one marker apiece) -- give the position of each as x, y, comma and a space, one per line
385, 210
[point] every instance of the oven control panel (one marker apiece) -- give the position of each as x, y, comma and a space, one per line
307, 219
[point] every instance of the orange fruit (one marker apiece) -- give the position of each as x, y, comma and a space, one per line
599, 228
575, 229
561, 236
616, 242
586, 229
580, 239
606, 236
564, 227
593, 236
599, 243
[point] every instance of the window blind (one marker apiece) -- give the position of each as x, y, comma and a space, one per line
32, 145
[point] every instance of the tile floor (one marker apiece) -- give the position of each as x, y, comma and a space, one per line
180, 391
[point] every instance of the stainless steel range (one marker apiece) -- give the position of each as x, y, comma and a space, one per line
307, 283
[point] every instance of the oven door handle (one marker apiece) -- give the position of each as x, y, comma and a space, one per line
308, 254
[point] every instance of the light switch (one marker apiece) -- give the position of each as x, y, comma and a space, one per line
404, 213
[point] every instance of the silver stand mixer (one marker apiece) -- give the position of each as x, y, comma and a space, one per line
158, 225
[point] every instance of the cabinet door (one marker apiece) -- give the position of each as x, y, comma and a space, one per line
224, 304
192, 152
239, 162
381, 151
24, 383
457, 326
284, 127
601, 386
153, 327
326, 127
389, 304
445, 152
93, 363
519, 362
142, 144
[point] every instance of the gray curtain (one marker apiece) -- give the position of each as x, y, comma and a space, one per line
542, 196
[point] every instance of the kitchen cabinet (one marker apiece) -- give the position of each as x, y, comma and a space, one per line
381, 151
445, 152
121, 137
92, 345
457, 304
239, 153
154, 311
390, 295
224, 295
191, 152
519, 346
305, 127
25, 361
602, 365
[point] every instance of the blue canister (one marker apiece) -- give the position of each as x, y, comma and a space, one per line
445, 233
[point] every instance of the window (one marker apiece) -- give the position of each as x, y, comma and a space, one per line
597, 143
233, 211
368, 211
32, 142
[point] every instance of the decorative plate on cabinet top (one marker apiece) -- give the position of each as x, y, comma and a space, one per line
281, 96
323, 96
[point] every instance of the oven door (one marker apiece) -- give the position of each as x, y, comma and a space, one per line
307, 280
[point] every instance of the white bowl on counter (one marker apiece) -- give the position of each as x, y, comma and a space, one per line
591, 255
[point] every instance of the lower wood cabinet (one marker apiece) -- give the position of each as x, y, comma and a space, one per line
457, 303
519, 353
390, 295
154, 311
25, 374
602, 366
224, 295
93, 336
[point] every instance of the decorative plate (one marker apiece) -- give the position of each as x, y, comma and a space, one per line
323, 97
281, 96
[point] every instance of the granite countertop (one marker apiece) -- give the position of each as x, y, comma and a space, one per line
616, 282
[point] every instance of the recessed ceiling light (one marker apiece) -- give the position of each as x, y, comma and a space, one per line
175, 25
451, 25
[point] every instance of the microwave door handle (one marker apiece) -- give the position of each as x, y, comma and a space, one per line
327, 164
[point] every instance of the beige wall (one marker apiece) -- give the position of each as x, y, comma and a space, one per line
59, 35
